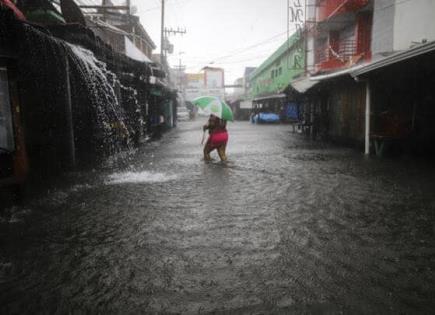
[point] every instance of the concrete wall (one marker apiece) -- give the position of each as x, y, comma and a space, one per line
310, 54
383, 27
310, 18
414, 21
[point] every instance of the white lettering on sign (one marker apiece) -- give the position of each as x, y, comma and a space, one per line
296, 11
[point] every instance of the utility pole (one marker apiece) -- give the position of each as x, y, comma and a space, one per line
169, 31
104, 4
162, 32
129, 7
179, 73
181, 69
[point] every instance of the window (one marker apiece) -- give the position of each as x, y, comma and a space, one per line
280, 71
6, 131
273, 74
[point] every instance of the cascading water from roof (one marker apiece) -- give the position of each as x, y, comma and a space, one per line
103, 87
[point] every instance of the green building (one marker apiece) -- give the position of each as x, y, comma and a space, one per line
269, 83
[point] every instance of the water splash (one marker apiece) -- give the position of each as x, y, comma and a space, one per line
139, 177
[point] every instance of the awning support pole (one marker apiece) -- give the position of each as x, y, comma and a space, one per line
367, 127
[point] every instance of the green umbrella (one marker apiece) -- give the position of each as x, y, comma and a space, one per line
214, 105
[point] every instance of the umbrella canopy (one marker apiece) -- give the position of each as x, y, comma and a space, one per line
214, 105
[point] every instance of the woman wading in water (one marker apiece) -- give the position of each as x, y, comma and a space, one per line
218, 137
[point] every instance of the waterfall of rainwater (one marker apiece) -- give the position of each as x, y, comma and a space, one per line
104, 89
49, 70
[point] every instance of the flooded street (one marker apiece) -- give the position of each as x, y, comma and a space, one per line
286, 225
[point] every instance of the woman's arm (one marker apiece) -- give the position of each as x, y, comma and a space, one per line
210, 124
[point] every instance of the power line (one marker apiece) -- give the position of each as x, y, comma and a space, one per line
156, 8
234, 53
231, 53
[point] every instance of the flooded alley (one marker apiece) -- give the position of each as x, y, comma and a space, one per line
287, 225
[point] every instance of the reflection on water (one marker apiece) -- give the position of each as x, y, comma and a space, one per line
286, 225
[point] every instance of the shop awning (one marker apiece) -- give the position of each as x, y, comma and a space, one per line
336, 74
362, 69
303, 85
133, 52
269, 97
395, 58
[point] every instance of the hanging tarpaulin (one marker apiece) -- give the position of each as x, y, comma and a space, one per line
45, 17
291, 111
41, 11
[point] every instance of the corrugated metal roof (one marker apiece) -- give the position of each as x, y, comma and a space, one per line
384, 62
303, 85
336, 73
395, 58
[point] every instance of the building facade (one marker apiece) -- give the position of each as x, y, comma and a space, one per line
341, 33
350, 36
275, 74
351, 88
210, 81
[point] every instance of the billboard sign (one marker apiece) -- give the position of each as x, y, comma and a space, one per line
214, 78
195, 80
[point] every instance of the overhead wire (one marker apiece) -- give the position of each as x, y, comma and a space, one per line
231, 53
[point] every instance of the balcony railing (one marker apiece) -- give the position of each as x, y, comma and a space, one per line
346, 50
328, 58
330, 8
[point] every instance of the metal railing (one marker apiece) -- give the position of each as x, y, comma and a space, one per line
346, 50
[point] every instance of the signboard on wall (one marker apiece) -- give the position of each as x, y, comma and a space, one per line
195, 80
214, 78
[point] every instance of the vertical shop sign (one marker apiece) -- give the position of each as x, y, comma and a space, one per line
296, 10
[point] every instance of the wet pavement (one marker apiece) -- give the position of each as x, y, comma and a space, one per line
285, 226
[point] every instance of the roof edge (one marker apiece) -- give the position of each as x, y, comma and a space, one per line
395, 58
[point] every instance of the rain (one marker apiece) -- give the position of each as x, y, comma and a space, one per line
217, 157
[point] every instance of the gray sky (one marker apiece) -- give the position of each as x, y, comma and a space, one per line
233, 34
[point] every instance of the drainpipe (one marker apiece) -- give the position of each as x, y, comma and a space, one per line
367, 127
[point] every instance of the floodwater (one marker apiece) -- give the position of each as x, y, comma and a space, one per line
286, 226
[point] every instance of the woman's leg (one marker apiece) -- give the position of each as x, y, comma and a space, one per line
207, 151
221, 152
